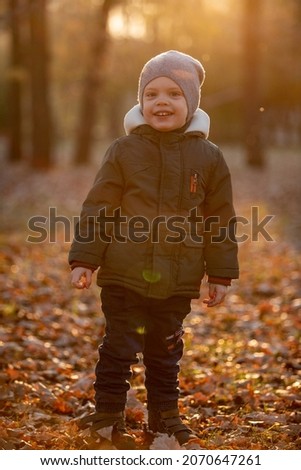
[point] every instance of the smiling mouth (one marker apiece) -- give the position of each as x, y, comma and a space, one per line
163, 113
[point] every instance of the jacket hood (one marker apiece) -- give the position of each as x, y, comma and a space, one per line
200, 121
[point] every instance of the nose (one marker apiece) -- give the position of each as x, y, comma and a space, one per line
162, 99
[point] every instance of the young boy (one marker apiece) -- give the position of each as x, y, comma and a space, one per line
158, 217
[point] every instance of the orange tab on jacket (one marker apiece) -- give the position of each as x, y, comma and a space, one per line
193, 183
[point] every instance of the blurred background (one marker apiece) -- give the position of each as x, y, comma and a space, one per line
69, 72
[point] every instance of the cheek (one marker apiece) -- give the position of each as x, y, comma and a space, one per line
147, 115
146, 110
185, 111
183, 116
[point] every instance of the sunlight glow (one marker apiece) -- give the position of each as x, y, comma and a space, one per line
124, 26
219, 5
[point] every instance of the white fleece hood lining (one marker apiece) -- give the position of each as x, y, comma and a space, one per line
200, 121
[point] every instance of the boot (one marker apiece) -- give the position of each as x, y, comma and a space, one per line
120, 437
169, 422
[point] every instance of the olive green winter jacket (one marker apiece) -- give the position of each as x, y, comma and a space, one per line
160, 214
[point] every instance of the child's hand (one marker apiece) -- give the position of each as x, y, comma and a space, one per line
81, 278
217, 293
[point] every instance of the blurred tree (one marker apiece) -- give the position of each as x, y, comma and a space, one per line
15, 77
94, 82
39, 84
251, 69
282, 72
137, 30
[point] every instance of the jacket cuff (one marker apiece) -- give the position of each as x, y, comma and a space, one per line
80, 264
223, 281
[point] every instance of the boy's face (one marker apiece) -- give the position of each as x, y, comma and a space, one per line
164, 105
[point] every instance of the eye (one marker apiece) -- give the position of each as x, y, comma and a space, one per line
150, 94
176, 93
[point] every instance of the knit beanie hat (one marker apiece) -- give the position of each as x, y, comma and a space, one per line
187, 72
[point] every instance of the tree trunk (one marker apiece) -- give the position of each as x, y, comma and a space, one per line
15, 86
40, 108
92, 84
252, 63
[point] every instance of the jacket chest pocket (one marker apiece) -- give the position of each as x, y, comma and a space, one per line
194, 191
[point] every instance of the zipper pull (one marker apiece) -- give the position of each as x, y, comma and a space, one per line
193, 183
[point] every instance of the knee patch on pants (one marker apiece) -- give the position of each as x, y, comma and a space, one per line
173, 340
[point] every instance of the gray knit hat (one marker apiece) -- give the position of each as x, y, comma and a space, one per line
187, 72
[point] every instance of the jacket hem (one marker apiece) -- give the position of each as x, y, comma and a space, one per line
195, 294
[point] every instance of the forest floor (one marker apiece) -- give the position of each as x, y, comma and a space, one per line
241, 373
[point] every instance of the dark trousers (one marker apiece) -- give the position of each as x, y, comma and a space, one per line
137, 324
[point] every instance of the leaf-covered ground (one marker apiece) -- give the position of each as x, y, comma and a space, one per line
241, 373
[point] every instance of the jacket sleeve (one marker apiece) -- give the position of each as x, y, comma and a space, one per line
92, 232
220, 223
